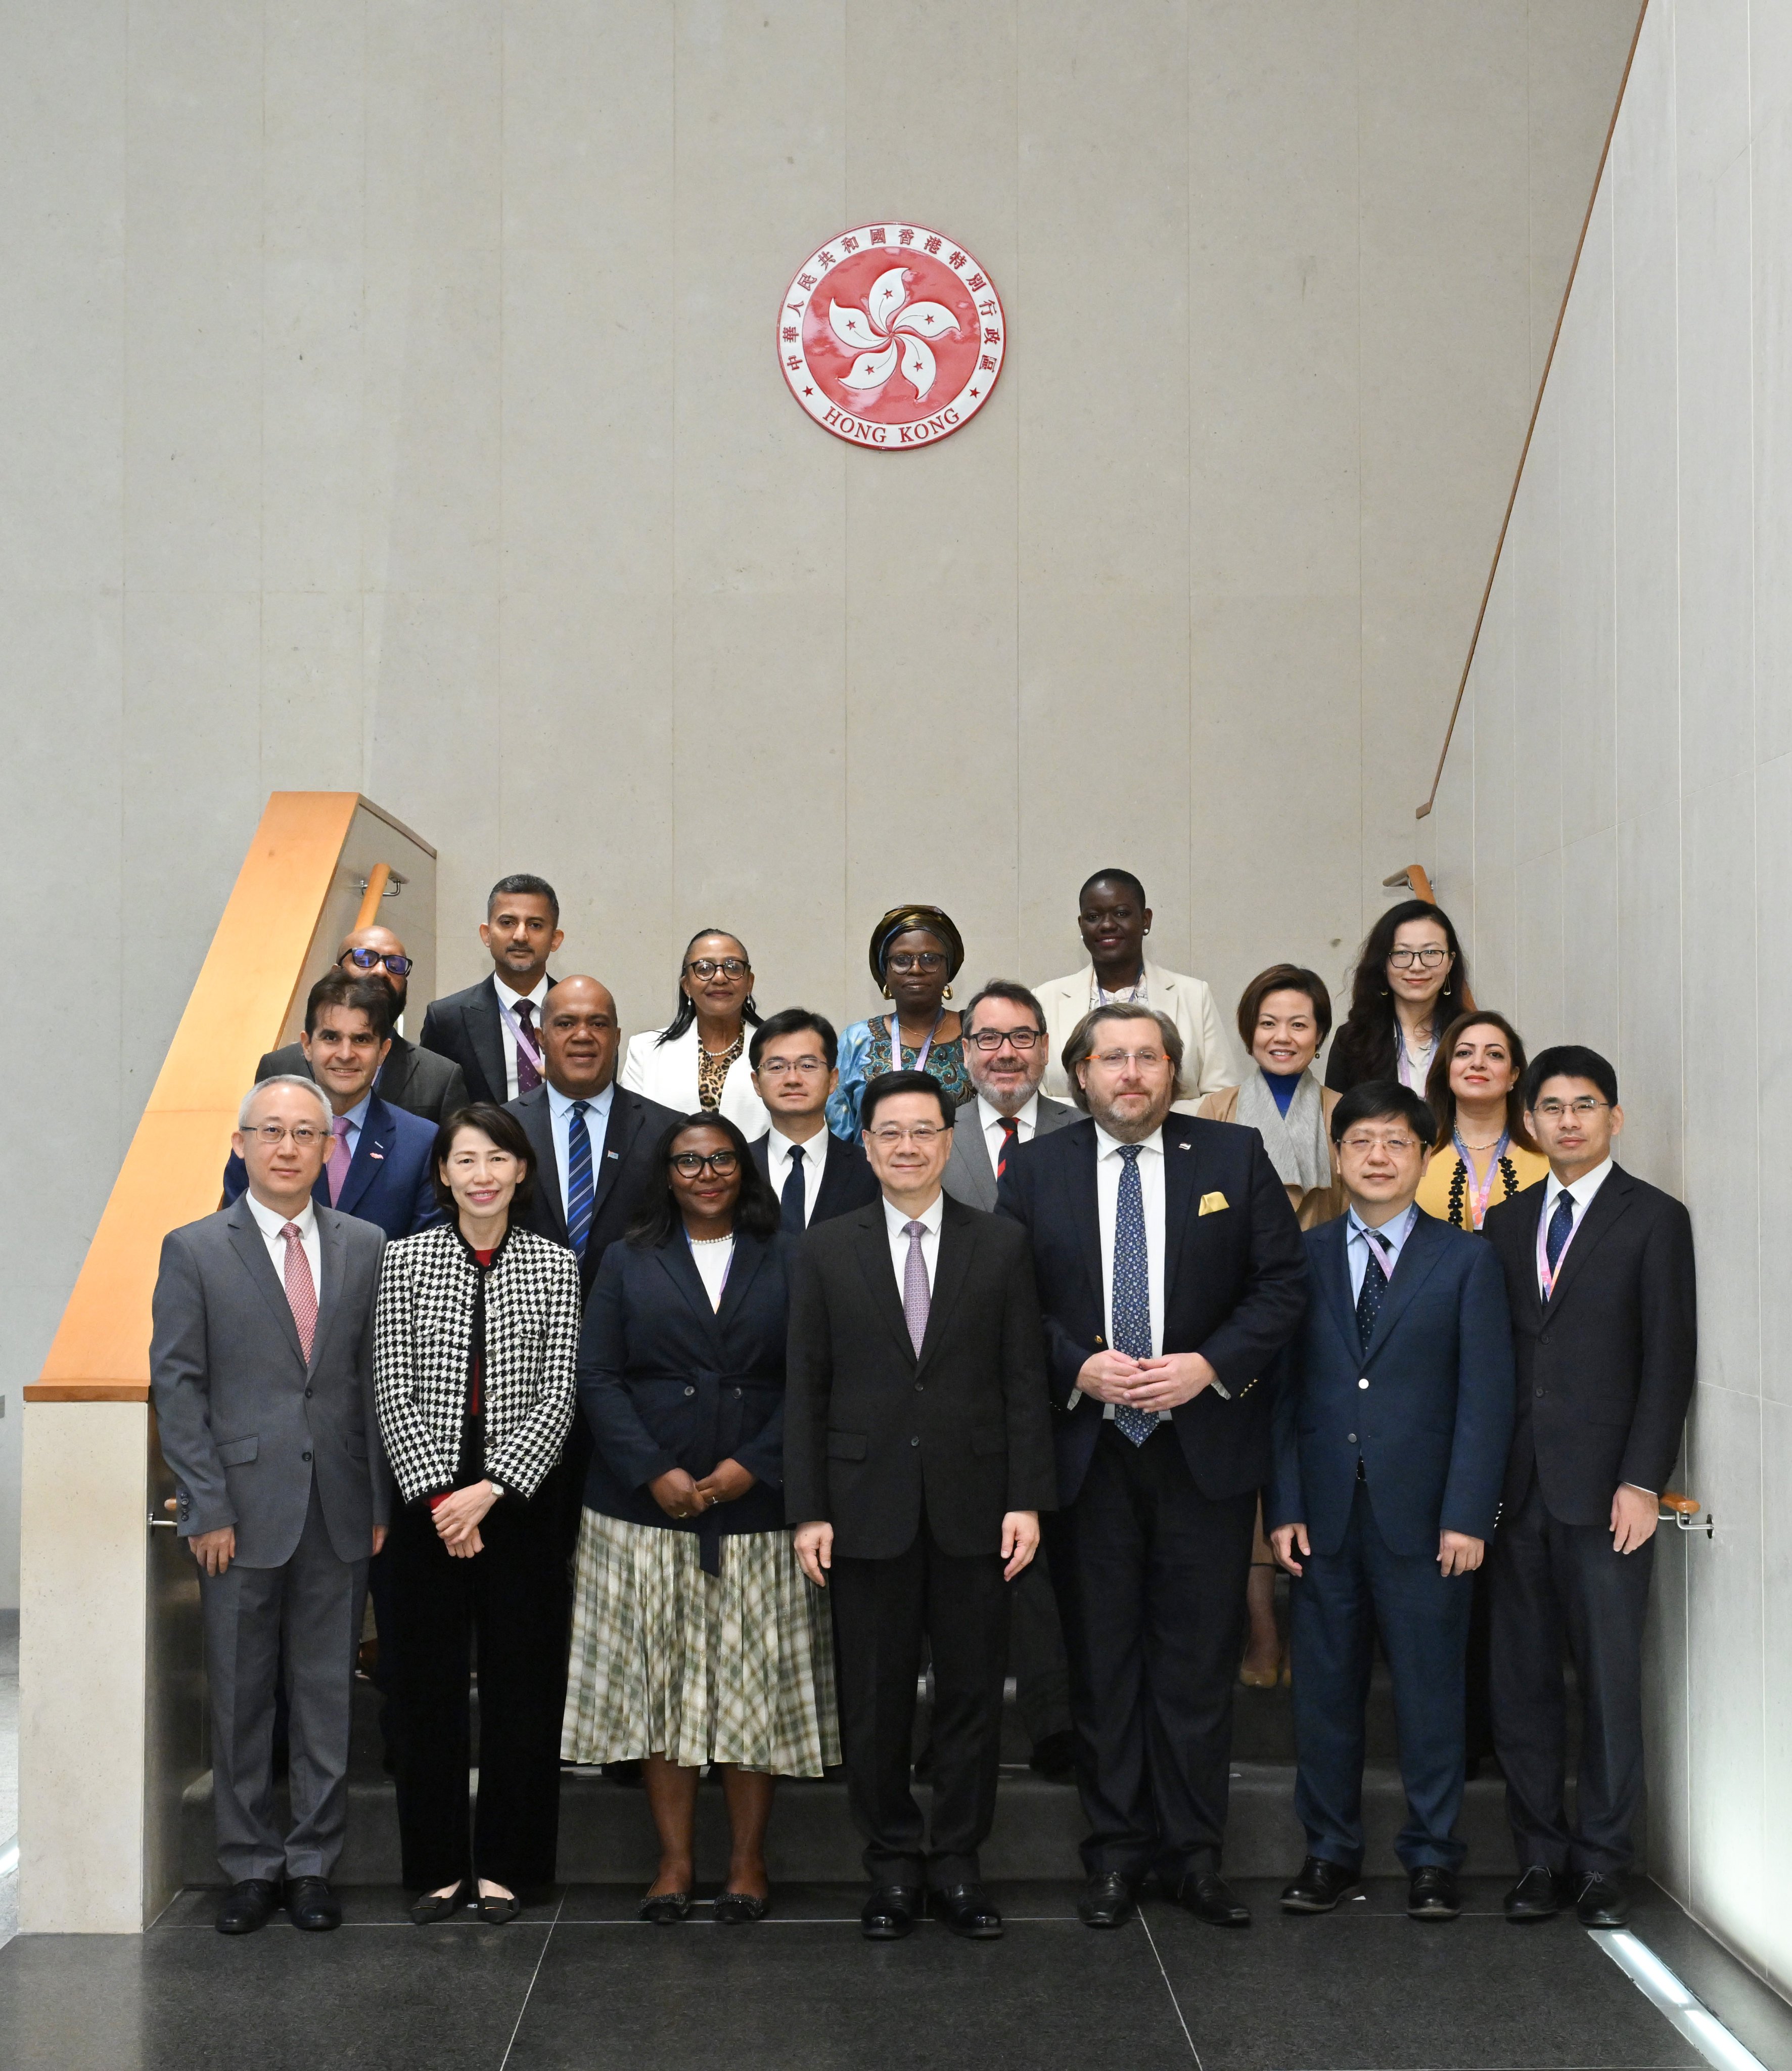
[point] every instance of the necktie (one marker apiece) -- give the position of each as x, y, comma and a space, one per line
1375, 1285
1010, 1136
1561, 1228
1132, 1289
580, 1193
528, 1077
916, 1297
790, 1215
338, 1166
302, 1294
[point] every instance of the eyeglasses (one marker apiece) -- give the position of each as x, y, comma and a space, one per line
709, 967
691, 1162
369, 960
923, 1133
1425, 959
1363, 1145
993, 1038
1583, 1109
1114, 1060
778, 1067
906, 962
271, 1133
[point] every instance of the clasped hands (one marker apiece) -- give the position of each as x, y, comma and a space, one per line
680, 1496
1164, 1383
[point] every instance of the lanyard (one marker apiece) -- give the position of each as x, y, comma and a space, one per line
919, 1065
1547, 1273
523, 1042
1478, 1195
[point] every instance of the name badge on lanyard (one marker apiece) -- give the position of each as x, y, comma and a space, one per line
1549, 1274
919, 1065
525, 1047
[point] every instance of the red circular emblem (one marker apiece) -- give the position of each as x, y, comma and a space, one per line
891, 336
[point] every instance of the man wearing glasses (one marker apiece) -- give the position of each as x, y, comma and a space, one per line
412, 1077
1171, 1273
1006, 1055
815, 1175
1599, 1270
917, 1457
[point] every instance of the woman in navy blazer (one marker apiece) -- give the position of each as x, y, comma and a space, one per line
696, 1637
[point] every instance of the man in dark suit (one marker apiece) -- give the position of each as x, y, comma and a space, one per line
492, 1030
594, 1143
261, 1370
413, 1078
380, 1165
1171, 1273
917, 1459
815, 1175
1599, 1271
1393, 1415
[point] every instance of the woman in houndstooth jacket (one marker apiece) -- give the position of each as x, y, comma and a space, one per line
476, 1339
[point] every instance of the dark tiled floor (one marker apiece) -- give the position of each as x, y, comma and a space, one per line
580, 1983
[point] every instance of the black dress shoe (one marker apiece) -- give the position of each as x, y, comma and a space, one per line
1538, 1894
248, 1905
432, 1907
1319, 1886
1055, 1758
1603, 1901
1431, 1893
312, 1906
890, 1912
738, 1908
666, 1909
967, 1909
1208, 1896
1107, 1901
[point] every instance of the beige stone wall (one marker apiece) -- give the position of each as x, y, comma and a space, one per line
387, 401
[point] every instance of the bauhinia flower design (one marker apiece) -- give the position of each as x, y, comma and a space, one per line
888, 328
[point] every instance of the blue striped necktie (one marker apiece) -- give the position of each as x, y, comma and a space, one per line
580, 1195
1132, 1289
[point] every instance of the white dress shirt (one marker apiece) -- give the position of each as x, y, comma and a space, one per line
1393, 1237
1109, 1165
270, 1222
990, 1121
1580, 1194
778, 1148
898, 1219
559, 1117
508, 998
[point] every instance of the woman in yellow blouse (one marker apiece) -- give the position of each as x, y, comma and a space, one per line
1483, 1155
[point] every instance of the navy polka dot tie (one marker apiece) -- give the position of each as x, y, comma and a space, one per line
1132, 1289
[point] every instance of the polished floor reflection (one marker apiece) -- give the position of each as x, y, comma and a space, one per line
577, 1983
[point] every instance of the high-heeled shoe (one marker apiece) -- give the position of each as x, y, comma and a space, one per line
432, 1906
738, 1908
1259, 1679
666, 1909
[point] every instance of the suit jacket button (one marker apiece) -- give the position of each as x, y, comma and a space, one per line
1350, 1437
914, 1442
691, 1390
919, 1386
308, 1392
305, 1456
1362, 1384
737, 1395
1540, 1391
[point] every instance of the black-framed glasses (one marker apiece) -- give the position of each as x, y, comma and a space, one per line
906, 962
988, 1039
691, 1162
1427, 959
368, 960
709, 967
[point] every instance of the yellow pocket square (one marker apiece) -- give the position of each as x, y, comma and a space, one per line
1212, 1203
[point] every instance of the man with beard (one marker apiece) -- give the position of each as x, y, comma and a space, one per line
493, 1029
1170, 1272
412, 1077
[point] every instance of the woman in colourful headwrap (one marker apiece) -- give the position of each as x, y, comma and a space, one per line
916, 952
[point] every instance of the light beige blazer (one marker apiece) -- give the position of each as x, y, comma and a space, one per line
1312, 1205
1206, 1053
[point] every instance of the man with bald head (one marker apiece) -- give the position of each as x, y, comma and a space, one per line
412, 1077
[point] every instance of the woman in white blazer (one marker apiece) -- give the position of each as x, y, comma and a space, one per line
1114, 920
699, 1059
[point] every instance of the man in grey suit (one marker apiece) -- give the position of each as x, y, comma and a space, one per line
261, 1370
1006, 1054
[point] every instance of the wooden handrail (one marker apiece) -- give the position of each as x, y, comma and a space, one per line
1536, 409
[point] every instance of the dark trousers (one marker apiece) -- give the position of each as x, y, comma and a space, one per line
1552, 1581
1335, 1608
883, 1611
1036, 1652
297, 1623
1150, 1575
510, 1598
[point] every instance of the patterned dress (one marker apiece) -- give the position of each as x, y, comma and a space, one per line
865, 1053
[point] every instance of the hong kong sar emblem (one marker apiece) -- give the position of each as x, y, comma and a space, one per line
891, 336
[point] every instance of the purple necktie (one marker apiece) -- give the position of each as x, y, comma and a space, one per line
915, 1295
338, 1166
528, 1077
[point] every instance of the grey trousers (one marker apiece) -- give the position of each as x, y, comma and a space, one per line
314, 1603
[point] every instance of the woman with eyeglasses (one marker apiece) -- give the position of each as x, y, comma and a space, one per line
476, 1335
1484, 1154
1409, 984
915, 953
695, 1639
699, 1059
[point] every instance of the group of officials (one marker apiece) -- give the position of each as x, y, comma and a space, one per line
705, 1403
